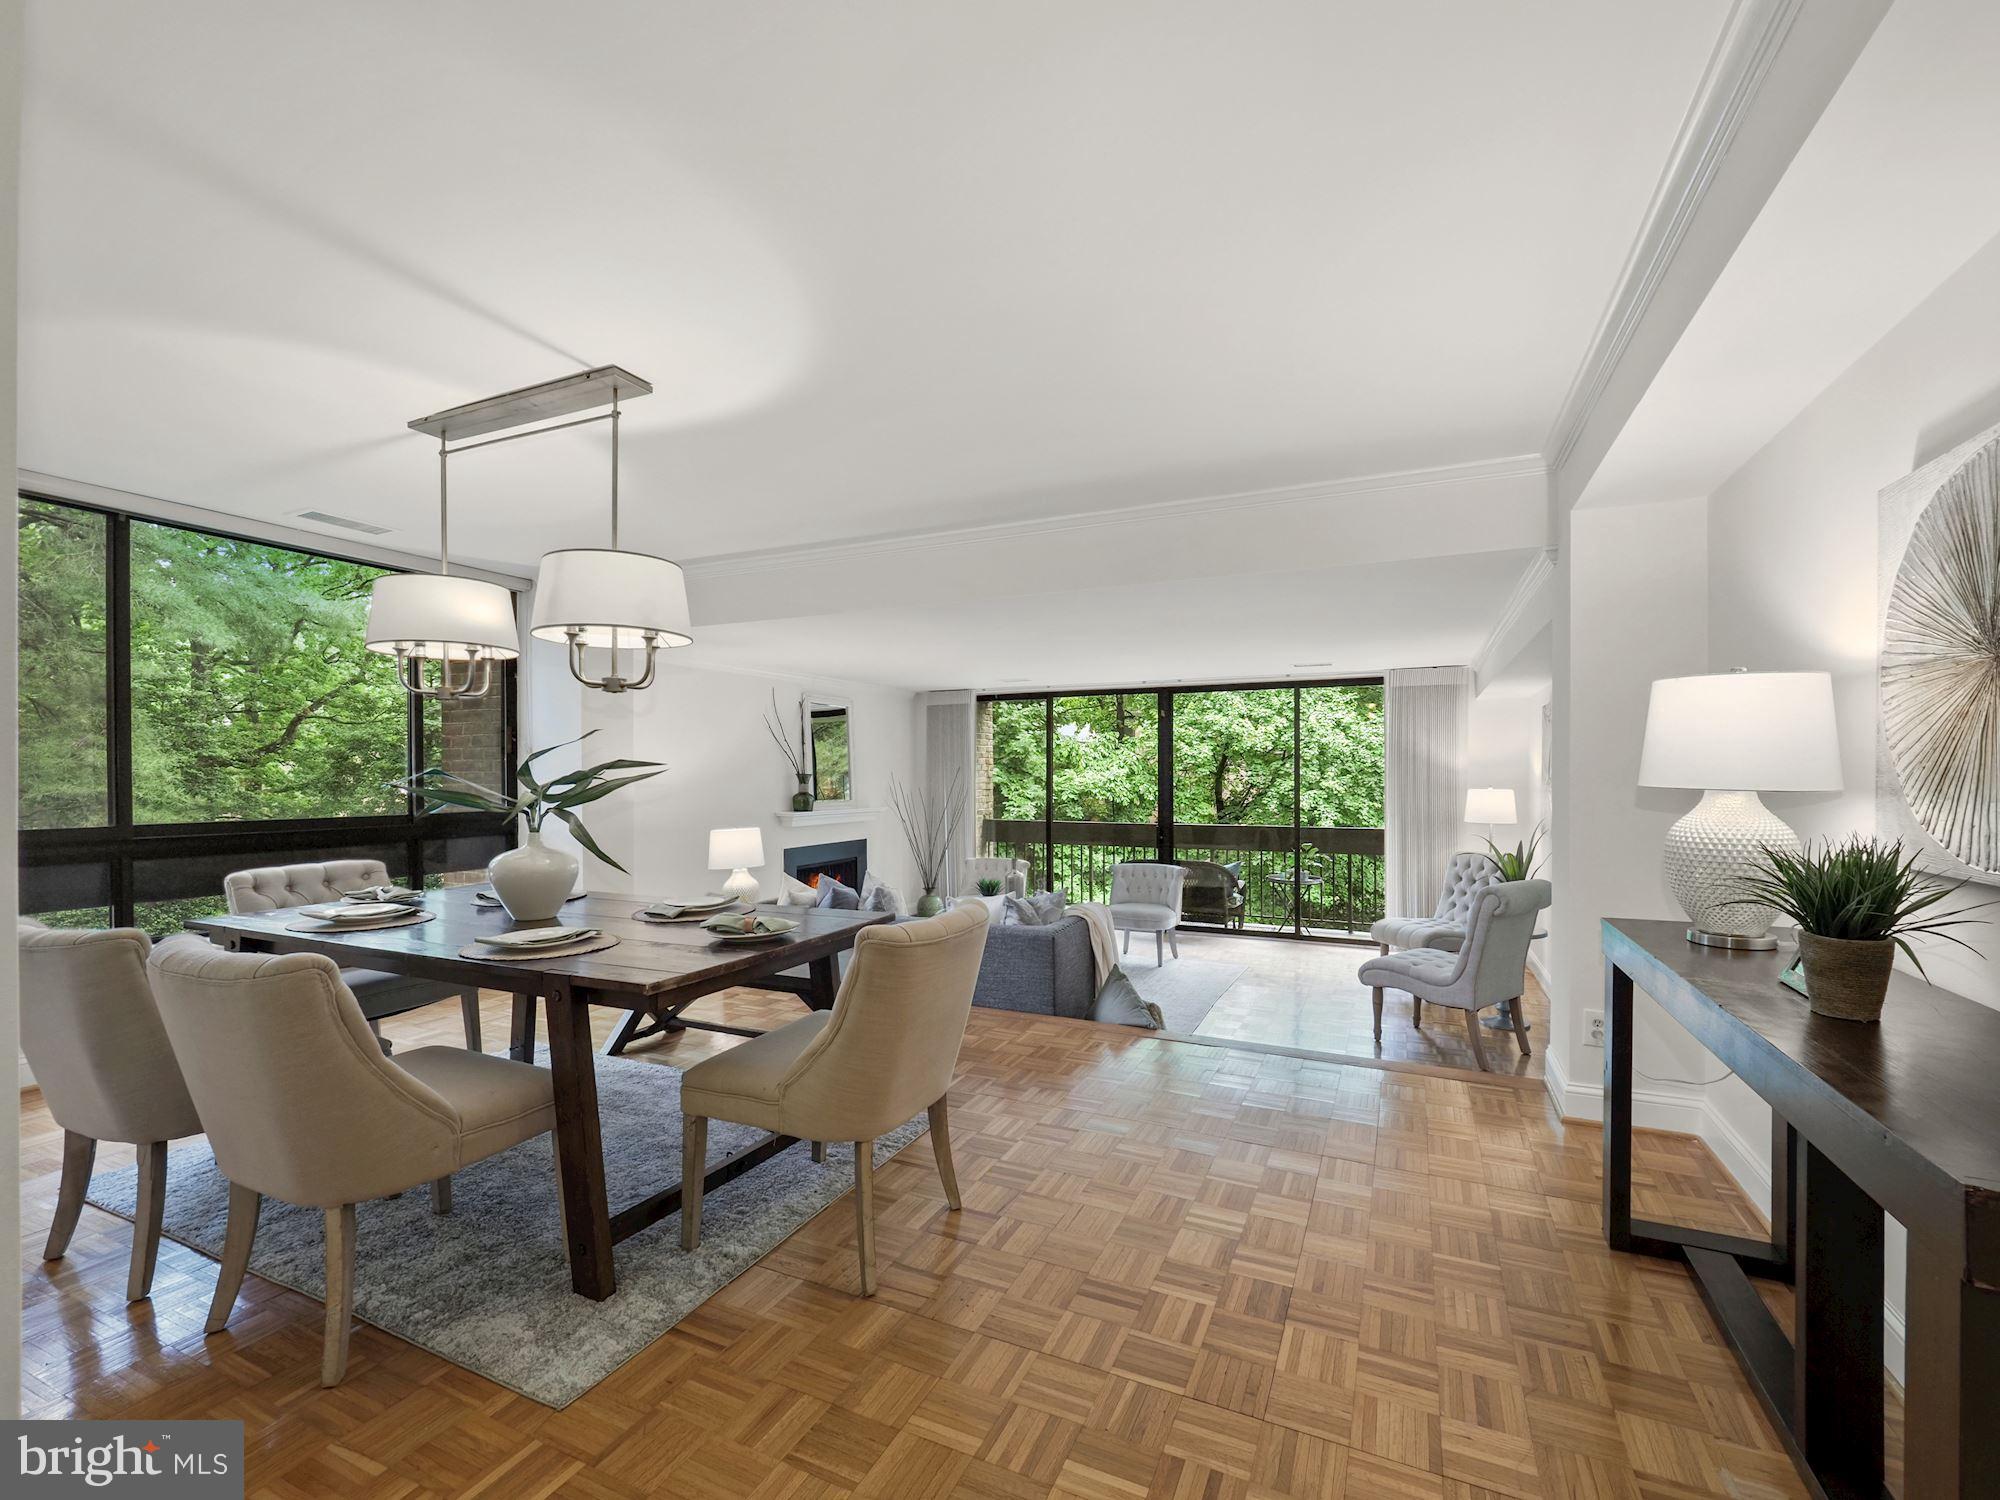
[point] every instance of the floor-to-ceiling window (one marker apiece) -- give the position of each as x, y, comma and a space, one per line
193, 703
1271, 794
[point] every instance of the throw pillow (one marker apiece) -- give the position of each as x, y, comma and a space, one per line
1120, 1004
1022, 912
837, 897
878, 895
795, 892
1050, 904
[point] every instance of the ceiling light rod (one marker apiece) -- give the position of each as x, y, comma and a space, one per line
515, 437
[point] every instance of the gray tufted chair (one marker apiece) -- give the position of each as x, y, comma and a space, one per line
1464, 878
1146, 897
92, 1034
1489, 969
1011, 873
380, 994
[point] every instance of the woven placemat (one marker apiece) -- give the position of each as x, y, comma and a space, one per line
313, 924
568, 950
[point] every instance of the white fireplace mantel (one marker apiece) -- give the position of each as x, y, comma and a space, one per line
818, 819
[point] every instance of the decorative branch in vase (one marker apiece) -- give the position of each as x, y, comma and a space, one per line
533, 881
774, 725
926, 824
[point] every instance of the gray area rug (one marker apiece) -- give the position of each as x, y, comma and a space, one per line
486, 1286
1185, 989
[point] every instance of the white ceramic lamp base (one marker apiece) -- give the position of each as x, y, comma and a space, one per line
742, 886
1709, 854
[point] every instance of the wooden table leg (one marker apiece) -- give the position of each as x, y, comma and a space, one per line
1951, 1405
580, 1147
1837, 1333
824, 974
521, 1035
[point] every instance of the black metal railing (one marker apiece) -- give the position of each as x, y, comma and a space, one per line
1329, 881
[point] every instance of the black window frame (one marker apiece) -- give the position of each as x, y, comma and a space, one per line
121, 845
1164, 821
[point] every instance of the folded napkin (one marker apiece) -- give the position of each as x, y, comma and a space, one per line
395, 893
747, 922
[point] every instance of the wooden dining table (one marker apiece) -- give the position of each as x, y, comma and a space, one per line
652, 974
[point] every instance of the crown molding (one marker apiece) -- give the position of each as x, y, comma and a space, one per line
1751, 39
734, 564
1534, 578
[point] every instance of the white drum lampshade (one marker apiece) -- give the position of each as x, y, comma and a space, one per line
419, 617
1730, 736
1490, 805
610, 599
738, 850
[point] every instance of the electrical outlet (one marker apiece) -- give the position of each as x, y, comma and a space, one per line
1593, 1028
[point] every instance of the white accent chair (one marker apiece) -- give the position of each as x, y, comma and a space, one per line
379, 993
1489, 969
1465, 877
1146, 897
1011, 873
301, 1105
92, 1034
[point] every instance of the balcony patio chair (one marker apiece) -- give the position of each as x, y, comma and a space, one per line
1146, 897
1212, 893
1489, 969
380, 994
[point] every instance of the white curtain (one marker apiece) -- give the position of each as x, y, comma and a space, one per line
948, 746
1425, 794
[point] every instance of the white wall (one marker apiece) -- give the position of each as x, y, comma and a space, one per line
1792, 586
1632, 606
722, 772
10, 1010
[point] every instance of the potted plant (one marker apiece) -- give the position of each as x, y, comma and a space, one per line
926, 824
802, 799
989, 886
1855, 903
533, 881
1518, 863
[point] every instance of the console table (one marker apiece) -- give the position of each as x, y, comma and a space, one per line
1901, 1117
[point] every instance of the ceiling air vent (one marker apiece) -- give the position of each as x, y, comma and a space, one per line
345, 523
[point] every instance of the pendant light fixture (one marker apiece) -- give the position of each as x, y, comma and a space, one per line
461, 625
611, 600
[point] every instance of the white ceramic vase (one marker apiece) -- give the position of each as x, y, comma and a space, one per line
534, 880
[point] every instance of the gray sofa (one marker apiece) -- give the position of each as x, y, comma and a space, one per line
1046, 971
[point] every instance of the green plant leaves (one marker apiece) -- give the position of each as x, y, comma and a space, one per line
1859, 890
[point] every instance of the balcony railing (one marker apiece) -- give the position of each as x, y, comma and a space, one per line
1336, 887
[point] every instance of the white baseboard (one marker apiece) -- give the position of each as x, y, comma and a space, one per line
1746, 1165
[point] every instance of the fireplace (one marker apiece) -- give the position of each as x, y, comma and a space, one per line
845, 862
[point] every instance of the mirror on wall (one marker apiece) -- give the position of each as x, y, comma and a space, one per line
831, 745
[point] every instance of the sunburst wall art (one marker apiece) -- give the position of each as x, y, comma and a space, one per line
1940, 654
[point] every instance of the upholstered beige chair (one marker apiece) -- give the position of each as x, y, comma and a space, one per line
1011, 873
380, 994
886, 1050
93, 1037
301, 1104
1490, 969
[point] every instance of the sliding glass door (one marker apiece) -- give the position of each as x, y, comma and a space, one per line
1270, 794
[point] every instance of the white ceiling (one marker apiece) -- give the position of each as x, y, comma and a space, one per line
1886, 198
1321, 622
889, 265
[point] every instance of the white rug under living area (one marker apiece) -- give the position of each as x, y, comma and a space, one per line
1185, 989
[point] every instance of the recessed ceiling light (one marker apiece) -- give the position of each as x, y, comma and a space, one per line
1013, 679
1312, 663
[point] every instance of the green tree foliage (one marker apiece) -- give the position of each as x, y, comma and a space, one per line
62, 666
1232, 757
252, 694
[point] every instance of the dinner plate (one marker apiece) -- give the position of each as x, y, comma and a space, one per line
355, 911
748, 937
707, 906
537, 937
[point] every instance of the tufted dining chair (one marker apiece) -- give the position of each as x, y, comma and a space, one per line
1146, 897
92, 1035
379, 993
1011, 873
301, 1105
886, 1050
1489, 969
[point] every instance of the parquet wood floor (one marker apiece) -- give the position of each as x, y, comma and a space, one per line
1181, 1271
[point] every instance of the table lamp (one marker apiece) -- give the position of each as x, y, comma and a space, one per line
1490, 805
739, 851
1730, 736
